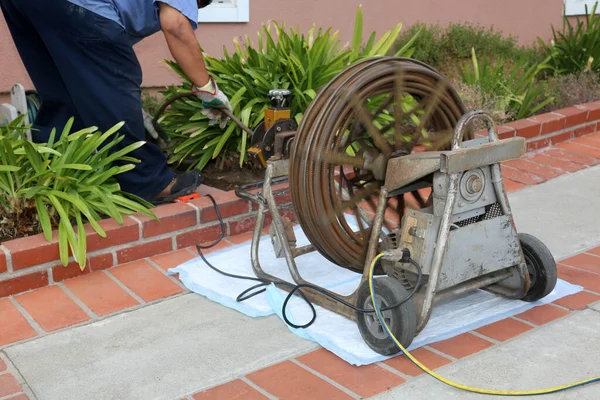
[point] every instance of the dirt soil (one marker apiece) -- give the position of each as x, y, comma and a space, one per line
14, 226
230, 178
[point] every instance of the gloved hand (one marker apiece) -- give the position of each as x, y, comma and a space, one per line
213, 100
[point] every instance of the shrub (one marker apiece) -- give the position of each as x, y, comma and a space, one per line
439, 46
65, 182
429, 46
515, 91
287, 60
576, 48
567, 90
460, 39
475, 99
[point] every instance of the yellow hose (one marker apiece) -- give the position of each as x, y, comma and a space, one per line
455, 384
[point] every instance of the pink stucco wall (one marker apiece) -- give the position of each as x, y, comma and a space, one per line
526, 19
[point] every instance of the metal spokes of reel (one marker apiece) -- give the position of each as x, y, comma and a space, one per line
374, 110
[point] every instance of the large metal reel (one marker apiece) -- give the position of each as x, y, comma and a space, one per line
361, 119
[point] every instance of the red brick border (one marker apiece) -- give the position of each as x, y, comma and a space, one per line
555, 127
32, 262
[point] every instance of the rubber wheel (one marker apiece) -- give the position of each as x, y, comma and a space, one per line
402, 320
541, 267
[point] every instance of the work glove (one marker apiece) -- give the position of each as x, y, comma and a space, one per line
213, 100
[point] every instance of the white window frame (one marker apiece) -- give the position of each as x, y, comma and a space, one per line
577, 7
237, 11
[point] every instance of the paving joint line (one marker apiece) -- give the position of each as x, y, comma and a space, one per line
326, 379
15, 371
27, 390
589, 307
440, 353
526, 322
189, 250
198, 213
561, 307
395, 371
11, 368
591, 254
89, 322
170, 277
122, 286
140, 227
36, 327
258, 388
579, 269
113, 253
589, 291
77, 301
587, 145
8, 258
489, 339
532, 331
469, 356
555, 320
12, 395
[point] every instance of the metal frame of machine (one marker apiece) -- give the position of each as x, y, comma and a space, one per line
463, 241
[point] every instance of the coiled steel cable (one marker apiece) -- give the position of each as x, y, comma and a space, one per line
313, 183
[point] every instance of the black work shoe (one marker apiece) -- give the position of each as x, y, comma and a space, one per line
185, 184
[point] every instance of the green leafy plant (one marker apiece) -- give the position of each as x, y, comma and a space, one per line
283, 59
517, 92
68, 181
577, 47
150, 103
440, 46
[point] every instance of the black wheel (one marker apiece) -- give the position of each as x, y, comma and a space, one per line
541, 267
402, 320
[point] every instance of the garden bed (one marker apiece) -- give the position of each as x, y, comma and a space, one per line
230, 178
32, 262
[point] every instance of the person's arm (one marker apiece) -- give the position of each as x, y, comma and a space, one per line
184, 47
183, 44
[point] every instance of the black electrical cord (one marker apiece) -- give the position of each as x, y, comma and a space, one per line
297, 288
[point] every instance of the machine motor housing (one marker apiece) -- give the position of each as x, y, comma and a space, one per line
481, 240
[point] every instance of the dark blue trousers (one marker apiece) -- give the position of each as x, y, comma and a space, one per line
83, 66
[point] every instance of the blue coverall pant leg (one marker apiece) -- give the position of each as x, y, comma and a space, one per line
83, 65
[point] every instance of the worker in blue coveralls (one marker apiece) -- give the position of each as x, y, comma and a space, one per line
79, 55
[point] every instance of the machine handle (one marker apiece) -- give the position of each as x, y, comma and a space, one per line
463, 123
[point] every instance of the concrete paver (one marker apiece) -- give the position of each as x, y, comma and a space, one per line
157, 352
560, 212
558, 353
